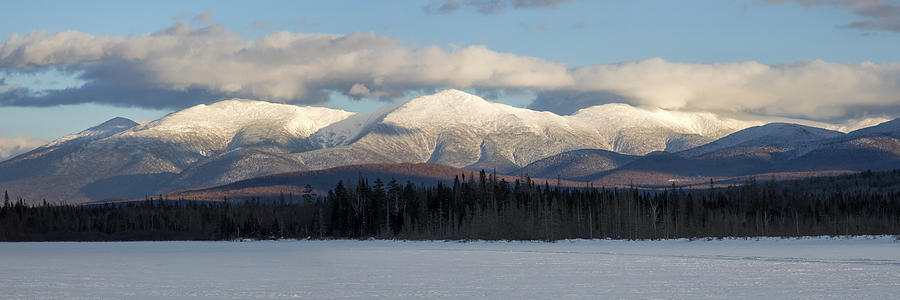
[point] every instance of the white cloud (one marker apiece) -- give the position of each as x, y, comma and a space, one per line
281, 66
181, 66
854, 124
12, 146
813, 89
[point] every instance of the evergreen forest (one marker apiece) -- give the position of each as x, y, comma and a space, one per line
484, 208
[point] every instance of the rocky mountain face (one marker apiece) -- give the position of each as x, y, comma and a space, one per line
232, 140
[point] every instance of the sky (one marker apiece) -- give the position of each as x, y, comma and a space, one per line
66, 66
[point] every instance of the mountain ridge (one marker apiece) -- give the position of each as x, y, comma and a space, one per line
237, 139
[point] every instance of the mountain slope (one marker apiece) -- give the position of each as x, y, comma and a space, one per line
636, 131
237, 123
113, 158
773, 148
105, 129
575, 164
463, 130
457, 129
774, 135
889, 128
37, 161
292, 184
231, 140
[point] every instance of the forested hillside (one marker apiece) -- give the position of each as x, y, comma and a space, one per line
486, 208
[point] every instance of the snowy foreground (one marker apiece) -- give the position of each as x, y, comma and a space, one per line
867, 268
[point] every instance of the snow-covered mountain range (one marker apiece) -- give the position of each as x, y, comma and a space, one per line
462, 130
231, 140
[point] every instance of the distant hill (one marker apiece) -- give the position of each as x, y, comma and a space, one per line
766, 151
773, 136
293, 184
576, 164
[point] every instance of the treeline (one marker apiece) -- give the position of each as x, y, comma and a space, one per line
475, 208
868, 181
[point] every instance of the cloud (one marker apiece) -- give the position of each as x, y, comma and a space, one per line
812, 89
204, 18
12, 146
181, 66
874, 14
566, 102
854, 124
489, 6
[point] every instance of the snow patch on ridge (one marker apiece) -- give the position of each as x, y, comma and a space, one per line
225, 118
105, 129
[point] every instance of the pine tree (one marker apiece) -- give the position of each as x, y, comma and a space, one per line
308, 193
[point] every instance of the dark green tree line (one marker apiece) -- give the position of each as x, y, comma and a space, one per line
484, 207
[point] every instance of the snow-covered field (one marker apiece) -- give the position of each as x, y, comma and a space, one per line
860, 268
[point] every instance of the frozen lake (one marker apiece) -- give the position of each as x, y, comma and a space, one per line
866, 268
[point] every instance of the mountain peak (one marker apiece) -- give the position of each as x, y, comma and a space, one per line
221, 121
117, 122
455, 93
451, 106
105, 129
450, 96
788, 130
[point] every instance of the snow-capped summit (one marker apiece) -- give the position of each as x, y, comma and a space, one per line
638, 131
238, 122
457, 107
105, 129
618, 116
117, 123
463, 130
237, 139
225, 118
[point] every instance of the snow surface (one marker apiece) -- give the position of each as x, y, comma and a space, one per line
219, 123
105, 129
463, 130
615, 117
820, 268
608, 122
227, 117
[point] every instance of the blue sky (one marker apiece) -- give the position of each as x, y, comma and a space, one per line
575, 35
